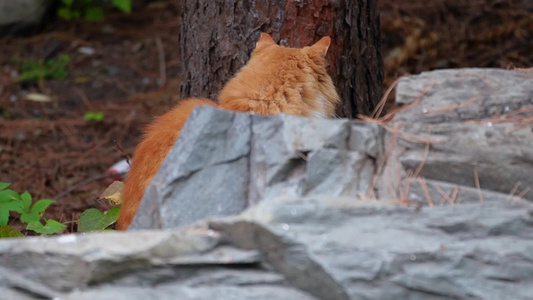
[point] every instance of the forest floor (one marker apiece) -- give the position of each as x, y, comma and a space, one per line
128, 66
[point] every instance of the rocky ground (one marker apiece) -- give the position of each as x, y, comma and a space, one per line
49, 149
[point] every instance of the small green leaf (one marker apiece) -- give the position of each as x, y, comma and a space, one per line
11, 201
88, 116
99, 116
68, 2
26, 201
4, 185
9, 232
41, 205
4, 216
9, 195
94, 14
93, 116
51, 227
29, 217
123, 5
63, 59
76, 14
34, 215
94, 220
64, 13
13, 205
50, 69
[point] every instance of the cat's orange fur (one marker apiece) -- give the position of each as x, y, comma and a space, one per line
276, 80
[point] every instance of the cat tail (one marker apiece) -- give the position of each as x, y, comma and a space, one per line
159, 137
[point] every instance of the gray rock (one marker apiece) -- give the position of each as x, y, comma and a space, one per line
291, 214
472, 118
205, 174
188, 264
228, 284
224, 162
302, 248
15, 16
347, 249
294, 157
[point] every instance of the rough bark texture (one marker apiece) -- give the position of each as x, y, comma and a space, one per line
217, 38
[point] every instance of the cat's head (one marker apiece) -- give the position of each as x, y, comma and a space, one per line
294, 80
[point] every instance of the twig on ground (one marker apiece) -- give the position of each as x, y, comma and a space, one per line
478, 187
452, 107
454, 194
381, 105
523, 193
498, 121
520, 110
422, 162
80, 185
404, 135
83, 98
424, 187
511, 193
363, 197
445, 196
301, 155
123, 152
162, 66
404, 192
389, 116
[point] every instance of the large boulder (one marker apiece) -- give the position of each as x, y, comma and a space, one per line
225, 161
299, 248
16, 16
281, 207
478, 126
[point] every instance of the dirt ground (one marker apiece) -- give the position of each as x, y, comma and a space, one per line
48, 149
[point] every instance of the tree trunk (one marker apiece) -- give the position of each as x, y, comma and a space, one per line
217, 38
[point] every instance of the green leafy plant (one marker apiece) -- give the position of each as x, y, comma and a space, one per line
96, 116
9, 232
90, 11
94, 220
33, 70
30, 213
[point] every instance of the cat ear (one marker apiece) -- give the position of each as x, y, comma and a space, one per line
322, 46
264, 40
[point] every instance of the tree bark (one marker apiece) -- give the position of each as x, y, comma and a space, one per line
217, 38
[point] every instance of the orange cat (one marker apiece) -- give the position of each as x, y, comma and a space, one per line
276, 80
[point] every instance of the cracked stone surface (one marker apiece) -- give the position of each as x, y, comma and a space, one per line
475, 120
225, 161
301, 248
277, 208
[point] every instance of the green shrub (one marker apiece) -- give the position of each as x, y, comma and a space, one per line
88, 10
95, 116
31, 215
33, 70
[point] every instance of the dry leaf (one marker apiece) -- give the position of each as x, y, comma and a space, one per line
113, 193
38, 97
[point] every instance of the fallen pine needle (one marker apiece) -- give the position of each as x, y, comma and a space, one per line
381, 105
478, 187
511, 194
452, 107
422, 162
523, 193
454, 194
424, 187
445, 196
